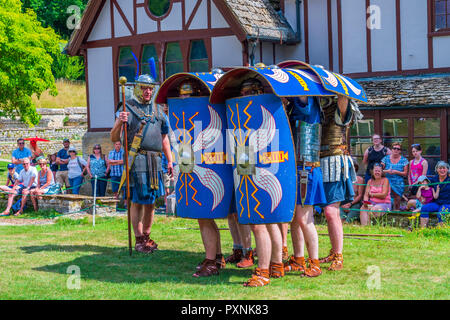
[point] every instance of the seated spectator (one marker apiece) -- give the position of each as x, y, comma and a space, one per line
377, 197
45, 182
441, 202
417, 167
10, 179
351, 215
97, 165
26, 181
396, 169
115, 159
76, 166
425, 194
20, 154
53, 164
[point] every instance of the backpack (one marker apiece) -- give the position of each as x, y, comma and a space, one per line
83, 168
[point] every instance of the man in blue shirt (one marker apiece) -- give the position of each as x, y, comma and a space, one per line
19, 154
62, 159
115, 158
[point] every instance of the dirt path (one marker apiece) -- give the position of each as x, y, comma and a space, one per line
25, 222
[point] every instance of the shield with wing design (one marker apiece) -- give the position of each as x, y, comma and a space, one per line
205, 184
263, 159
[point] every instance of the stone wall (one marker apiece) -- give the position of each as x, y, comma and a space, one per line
407, 91
55, 125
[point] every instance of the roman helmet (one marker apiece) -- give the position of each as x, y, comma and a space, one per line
252, 86
186, 87
144, 80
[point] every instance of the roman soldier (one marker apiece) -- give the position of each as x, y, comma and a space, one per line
147, 136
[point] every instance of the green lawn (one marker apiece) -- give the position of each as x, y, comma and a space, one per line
34, 261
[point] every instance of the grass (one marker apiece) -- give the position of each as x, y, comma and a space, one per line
70, 94
34, 264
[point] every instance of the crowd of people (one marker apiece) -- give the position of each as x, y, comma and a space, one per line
383, 187
61, 172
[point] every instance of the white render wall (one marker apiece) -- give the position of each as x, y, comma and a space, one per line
101, 89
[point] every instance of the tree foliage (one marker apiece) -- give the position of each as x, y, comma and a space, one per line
67, 67
25, 61
54, 13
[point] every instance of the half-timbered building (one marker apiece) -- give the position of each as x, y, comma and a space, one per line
399, 50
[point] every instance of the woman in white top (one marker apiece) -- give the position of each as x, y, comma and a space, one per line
45, 181
76, 167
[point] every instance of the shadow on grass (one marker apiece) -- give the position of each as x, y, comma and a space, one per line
112, 264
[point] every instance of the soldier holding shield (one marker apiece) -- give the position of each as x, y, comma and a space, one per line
146, 120
305, 117
338, 170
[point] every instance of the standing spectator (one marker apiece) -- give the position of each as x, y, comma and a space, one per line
62, 159
97, 165
76, 167
417, 167
374, 154
347, 215
377, 196
10, 179
20, 154
45, 182
53, 164
115, 160
441, 185
396, 169
26, 181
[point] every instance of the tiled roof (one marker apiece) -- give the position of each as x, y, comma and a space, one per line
259, 19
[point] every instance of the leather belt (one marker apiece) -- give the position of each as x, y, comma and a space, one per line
311, 164
145, 152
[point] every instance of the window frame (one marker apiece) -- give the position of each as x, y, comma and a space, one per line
432, 20
207, 59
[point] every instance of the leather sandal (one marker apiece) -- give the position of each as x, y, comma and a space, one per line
208, 268
153, 246
313, 270
235, 257
247, 260
295, 264
141, 245
328, 258
337, 263
260, 278
276, 270
220, 261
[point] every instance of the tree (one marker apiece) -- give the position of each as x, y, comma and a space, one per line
55, 14
25, 61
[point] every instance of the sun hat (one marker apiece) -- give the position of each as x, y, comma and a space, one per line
423, 178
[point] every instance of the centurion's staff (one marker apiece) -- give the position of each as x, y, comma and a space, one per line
122, 82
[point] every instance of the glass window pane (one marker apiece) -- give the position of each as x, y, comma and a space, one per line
149, 51
432, 162
440, 7
172, 68
430, 146
403, 141
128, 72
125, 56
395, 127
362, 128
199, 66
359, 145
440, 22
198, 50
427, 127
159, 8
173, 52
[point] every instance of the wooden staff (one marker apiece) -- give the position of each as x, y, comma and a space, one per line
122, 82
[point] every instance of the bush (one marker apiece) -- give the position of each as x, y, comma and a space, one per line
67, 67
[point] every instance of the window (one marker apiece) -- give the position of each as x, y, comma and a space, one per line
148, 52
127, 64
427, 134
360, 139
158, 8
198, 57
441, 10
174, 59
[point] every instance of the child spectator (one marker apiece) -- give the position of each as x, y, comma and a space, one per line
53, 164
10, 179
417, 167
425, 194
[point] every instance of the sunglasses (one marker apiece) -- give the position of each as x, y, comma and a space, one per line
21, 143
396, 149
